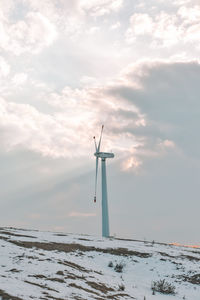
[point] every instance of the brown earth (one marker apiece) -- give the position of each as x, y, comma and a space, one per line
6, 296
62, 247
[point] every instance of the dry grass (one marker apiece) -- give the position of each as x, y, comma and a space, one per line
41, 286
74, 266
15, 234
194, 279
82, 288
100, 287
6, 296
62, 247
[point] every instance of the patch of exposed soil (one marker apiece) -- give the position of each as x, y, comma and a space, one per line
4, 238
189, 257
179, 266
47, 297
194, 279
194, 251
19, 229
166, 255
32, 257
41, 286
74, 266
6, 296
100, 287
117, 296
79, 298
56, 279
14, 270
82, 288
38, 276
15, 234
74, 277
77, 247
60, 234
124, 252
60, 273
163, 259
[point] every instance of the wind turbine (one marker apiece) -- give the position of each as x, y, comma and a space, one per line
103, 156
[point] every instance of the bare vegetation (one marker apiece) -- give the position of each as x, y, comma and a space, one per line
121, 287
110, 264
164, 287
119, 267
194, 279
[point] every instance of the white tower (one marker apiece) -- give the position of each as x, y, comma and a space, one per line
103, 156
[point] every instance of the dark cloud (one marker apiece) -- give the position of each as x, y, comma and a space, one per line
169, 98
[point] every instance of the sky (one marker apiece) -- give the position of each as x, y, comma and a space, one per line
66, 68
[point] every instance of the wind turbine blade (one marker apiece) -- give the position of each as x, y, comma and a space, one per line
97, 161
95, 144
98, 149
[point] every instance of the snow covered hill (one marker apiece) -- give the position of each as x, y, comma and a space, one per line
46, 265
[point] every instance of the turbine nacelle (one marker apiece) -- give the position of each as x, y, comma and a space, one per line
103, 155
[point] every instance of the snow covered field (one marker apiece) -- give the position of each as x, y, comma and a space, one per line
46, 265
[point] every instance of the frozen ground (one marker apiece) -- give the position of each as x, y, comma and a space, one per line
46, 265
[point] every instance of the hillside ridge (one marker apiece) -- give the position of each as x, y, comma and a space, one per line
49, 265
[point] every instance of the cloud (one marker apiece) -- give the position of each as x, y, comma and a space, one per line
131, 163
190, 14
115, 26
30, 35
19, 79
88, 81
31, 26
169, 100
162, 29
69, 130
165, 29
167, 144
100, 7
81, 215
140, 24
182, 2
4, 67
93, 30
22, 126
140, 123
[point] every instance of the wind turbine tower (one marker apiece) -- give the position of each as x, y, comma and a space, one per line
103, 156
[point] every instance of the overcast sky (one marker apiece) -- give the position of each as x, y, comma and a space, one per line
66, 67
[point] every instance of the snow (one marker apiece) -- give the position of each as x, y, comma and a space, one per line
44, 268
